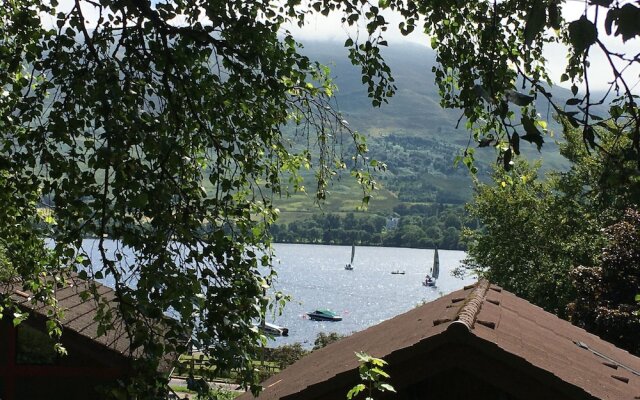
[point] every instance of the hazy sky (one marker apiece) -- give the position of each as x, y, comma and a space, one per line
330, 29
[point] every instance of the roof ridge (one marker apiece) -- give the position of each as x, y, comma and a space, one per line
473, 303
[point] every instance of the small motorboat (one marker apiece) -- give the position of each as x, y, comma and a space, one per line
397, 272
324, 315
273, 329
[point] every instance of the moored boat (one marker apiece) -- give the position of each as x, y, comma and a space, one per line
324, 315
273, 329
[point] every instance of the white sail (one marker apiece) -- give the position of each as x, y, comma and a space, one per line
353, 253
435, 272
349, 267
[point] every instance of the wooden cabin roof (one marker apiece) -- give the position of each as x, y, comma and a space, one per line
487, 322
76, 297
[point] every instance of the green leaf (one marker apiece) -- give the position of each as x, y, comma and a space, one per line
535, 21
434, 42
554, 15
60, 349
533, 135
387, 387
626, 18
18, 318
612, 15
515, 143
355, 390
574, 89
378, 373
589, 136
518, 99
507, 160
377, 361
603, 3
582, 34
529, 126
615, 111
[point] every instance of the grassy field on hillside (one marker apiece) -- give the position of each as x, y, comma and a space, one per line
344, 196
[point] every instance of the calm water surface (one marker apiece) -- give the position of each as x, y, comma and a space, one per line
314, 276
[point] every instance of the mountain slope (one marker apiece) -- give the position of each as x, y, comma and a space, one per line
413, 135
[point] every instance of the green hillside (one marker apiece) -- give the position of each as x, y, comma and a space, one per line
417, 140
413, 135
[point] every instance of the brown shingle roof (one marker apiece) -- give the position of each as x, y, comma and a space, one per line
79, 314
489, 321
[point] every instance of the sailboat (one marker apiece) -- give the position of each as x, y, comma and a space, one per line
349, 267
430, 279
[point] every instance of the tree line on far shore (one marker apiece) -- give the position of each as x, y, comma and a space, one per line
412, 225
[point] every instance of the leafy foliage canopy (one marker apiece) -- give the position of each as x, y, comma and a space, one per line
112, 127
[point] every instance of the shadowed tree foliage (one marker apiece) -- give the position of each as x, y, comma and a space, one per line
21, 247
607, 293
529, 238
419, 226
287, 354
535, 232
325, 339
